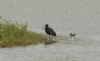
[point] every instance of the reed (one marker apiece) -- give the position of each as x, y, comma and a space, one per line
14, 34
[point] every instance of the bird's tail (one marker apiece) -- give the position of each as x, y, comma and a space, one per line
54, 34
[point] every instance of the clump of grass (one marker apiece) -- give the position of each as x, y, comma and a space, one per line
12, 34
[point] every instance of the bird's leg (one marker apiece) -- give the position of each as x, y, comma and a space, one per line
55, 39
50, 38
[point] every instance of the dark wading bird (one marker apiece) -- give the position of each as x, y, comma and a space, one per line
49, 30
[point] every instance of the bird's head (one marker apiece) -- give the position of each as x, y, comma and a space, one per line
46, 25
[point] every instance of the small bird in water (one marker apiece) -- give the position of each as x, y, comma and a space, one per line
72, 35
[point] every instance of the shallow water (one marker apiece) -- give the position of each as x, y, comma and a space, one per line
64, 16
55, 52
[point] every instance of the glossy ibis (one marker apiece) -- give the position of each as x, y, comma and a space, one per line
49, 30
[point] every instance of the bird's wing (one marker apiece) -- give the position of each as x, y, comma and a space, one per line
51, 30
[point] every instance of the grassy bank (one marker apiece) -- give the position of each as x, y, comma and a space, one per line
12, 34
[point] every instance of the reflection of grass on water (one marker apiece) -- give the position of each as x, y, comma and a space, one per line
17, 35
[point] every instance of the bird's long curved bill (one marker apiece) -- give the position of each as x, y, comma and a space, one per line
43, 27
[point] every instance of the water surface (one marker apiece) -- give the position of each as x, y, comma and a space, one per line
65, 16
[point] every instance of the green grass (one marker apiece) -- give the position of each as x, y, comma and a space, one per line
12, 35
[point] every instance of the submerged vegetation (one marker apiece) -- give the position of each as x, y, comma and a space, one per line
14, 34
